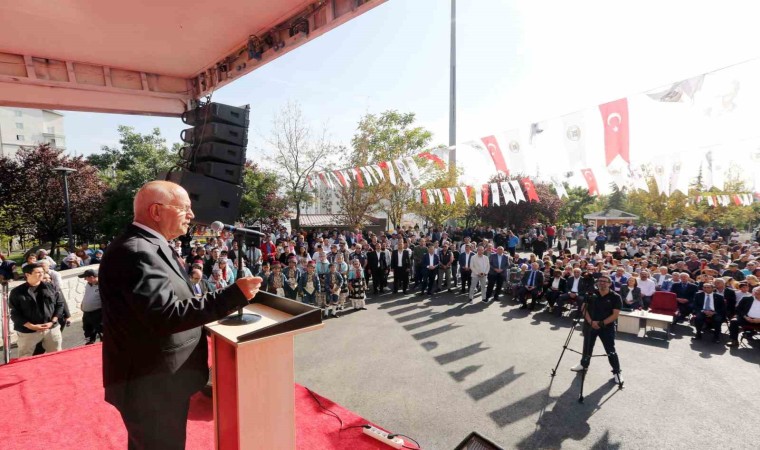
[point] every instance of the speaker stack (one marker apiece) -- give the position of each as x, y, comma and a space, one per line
213, 161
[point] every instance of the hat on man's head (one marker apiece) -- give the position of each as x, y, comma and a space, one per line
71, 257
89, 273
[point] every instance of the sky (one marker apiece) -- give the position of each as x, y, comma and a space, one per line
517, 62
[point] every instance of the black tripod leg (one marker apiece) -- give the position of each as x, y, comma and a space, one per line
564, 347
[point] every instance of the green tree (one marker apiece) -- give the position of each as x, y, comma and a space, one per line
437, 214
139, 158
523, 214
577, 204
616, 200
386, 137
261, 201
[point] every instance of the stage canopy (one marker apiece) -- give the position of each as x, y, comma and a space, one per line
146, 56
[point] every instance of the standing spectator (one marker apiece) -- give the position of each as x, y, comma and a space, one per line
401, 261
539, 246
499, 267
92, 318
36, 308
551, 231
446, 258
464, 267
308, 284
357, 287
268, 249
479, 266
600, 242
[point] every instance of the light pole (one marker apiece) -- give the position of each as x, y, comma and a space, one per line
65, 171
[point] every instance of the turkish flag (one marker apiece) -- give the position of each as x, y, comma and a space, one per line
311, 185
737, 200
498, 157
615, 118
359, 177
593, 188
424, 196
435, 158
530, 189
341, 179
486, 188
446, 196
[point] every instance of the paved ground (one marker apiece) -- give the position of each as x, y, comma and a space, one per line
436, 369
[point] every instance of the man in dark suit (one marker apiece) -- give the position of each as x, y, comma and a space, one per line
155, 354
747, 313
376, 264
401, 262
709, 307
497, 274
430, 263
532, 286
729, 296
685, 292
464, 266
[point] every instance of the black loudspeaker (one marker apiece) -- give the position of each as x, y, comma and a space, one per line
214, 161
211, 199
475, 441
215, 132
224, 153
216, 113
229, 173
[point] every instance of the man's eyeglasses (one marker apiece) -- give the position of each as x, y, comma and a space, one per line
184, 209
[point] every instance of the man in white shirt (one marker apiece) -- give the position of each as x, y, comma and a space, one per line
480, 265
647, 287
747, 313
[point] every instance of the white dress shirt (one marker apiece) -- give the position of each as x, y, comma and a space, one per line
754, 310
709, 305
479, 264
648, 287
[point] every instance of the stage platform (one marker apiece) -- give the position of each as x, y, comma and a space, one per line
56, 401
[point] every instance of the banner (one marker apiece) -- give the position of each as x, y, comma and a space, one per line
517, 152
616, 142
403, 171
492, 146
509, 197
437, 160
559, 188
425, 200
446, 196
495, 194
486, 188
588, 175
518, 191
530, 190
575, 138
465, 194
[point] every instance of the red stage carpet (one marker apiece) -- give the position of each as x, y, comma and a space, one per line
56, 401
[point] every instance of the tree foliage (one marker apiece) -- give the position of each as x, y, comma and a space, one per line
386, 137
37, 203
437, 214
297, 153
261, 200
577, 204
138, 159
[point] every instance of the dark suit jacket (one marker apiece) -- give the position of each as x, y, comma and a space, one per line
426, 262
494, 261
719, 304
729, 297
687, 292
538, 281
584, 285
406, 259
463, 259
562, 284
742, 309
154, 346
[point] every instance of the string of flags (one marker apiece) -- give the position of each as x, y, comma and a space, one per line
490, 194
402, 170
722, 200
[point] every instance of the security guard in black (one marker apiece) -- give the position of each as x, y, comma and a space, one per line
601, 314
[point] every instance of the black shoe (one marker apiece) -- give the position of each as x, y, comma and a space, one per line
697, 337
89, 341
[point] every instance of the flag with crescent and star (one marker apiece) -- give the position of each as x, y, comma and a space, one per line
492, 146
588, 175
530, 189
616, 142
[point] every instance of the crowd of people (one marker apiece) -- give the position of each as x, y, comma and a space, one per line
715, 276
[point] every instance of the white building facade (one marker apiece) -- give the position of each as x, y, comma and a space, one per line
22, 127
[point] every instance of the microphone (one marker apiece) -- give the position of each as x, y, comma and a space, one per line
219, 227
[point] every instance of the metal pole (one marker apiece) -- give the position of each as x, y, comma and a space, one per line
6, 322
68, 210
453, 90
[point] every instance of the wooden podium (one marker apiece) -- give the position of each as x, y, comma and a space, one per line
253, 375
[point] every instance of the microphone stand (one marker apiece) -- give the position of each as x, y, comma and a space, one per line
241, 318
6, 322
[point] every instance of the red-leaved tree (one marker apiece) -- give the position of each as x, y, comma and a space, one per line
523, 214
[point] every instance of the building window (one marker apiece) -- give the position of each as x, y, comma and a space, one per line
51, 142
18, 113
19, 137
19, 126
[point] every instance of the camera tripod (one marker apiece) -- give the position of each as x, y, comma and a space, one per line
579, 317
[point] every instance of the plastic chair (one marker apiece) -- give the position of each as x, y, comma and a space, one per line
665, 303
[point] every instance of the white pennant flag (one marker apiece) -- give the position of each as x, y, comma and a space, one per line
403, 171
560, 188
379, 172
452, 194
495, 194
662, 178
517, 153
367, 176
710, 200
478, 196
391, 173
464, 194
575, 131
415, 171
347, 174
637, 178
439, 194
507, 191
518, 191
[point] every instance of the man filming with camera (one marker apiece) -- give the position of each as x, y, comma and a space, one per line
600, 313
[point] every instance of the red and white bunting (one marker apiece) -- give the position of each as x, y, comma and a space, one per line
403, 171
465, 194
495, 194
446, 196
506, 191
479, 196
518, 191
413, 169
530, 190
